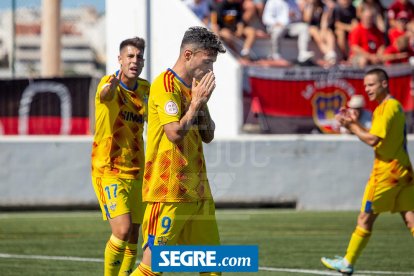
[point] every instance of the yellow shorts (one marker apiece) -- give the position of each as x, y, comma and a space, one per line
119, 196
389, 191
172, 223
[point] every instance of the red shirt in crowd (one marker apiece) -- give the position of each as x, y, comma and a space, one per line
368, 39
392, 49
393, 34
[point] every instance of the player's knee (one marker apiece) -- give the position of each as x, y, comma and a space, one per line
123, 232
366, 220
410, 225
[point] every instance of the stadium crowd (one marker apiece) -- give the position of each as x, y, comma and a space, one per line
358, 33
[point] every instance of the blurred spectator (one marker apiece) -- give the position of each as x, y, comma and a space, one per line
314, 13
400, 27
366, 40
252, 16
227, 22
357, 105
396, 7
399, 52
410, 34
379, 12
342, 21
201, 9
259, 6
284, 17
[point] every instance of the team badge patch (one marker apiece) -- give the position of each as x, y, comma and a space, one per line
325, 106
112, 206
171, 108
162, 240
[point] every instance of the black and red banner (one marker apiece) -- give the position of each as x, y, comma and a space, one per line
58, 106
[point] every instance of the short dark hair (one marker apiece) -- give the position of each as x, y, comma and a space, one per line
380, 73
204, 39
137, 42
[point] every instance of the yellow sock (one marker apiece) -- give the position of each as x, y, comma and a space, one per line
130, 257
412, 231
114, 253
358, 241
144, 270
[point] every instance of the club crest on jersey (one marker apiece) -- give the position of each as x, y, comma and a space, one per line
162, 240
171, 108
112, 206
324, 108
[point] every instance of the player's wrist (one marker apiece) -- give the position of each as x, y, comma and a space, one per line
195, 105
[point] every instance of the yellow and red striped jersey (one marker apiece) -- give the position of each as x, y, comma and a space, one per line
118, 146
173, 172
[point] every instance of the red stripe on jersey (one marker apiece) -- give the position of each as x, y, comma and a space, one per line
101, 192
165, 81
154, 218
157, 214
172, 76
151, 220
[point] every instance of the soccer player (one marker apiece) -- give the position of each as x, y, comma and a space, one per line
180, 207
390, 186
118, 154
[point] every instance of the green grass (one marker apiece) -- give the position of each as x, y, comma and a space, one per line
286, 239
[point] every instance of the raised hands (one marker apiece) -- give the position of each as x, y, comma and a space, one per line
114, 80
201, 91
109, 88
346, 116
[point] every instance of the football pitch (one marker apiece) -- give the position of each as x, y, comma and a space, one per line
290, 242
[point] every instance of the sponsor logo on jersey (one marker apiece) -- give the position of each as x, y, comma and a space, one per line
112, 206
132, 117
162, 240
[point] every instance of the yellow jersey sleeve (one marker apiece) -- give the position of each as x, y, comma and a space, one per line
166, 99
389, 124
383, 118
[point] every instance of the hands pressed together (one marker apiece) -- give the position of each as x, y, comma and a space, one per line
346, 117
201, 91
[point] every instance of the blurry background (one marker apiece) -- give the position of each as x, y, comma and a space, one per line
82, 29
